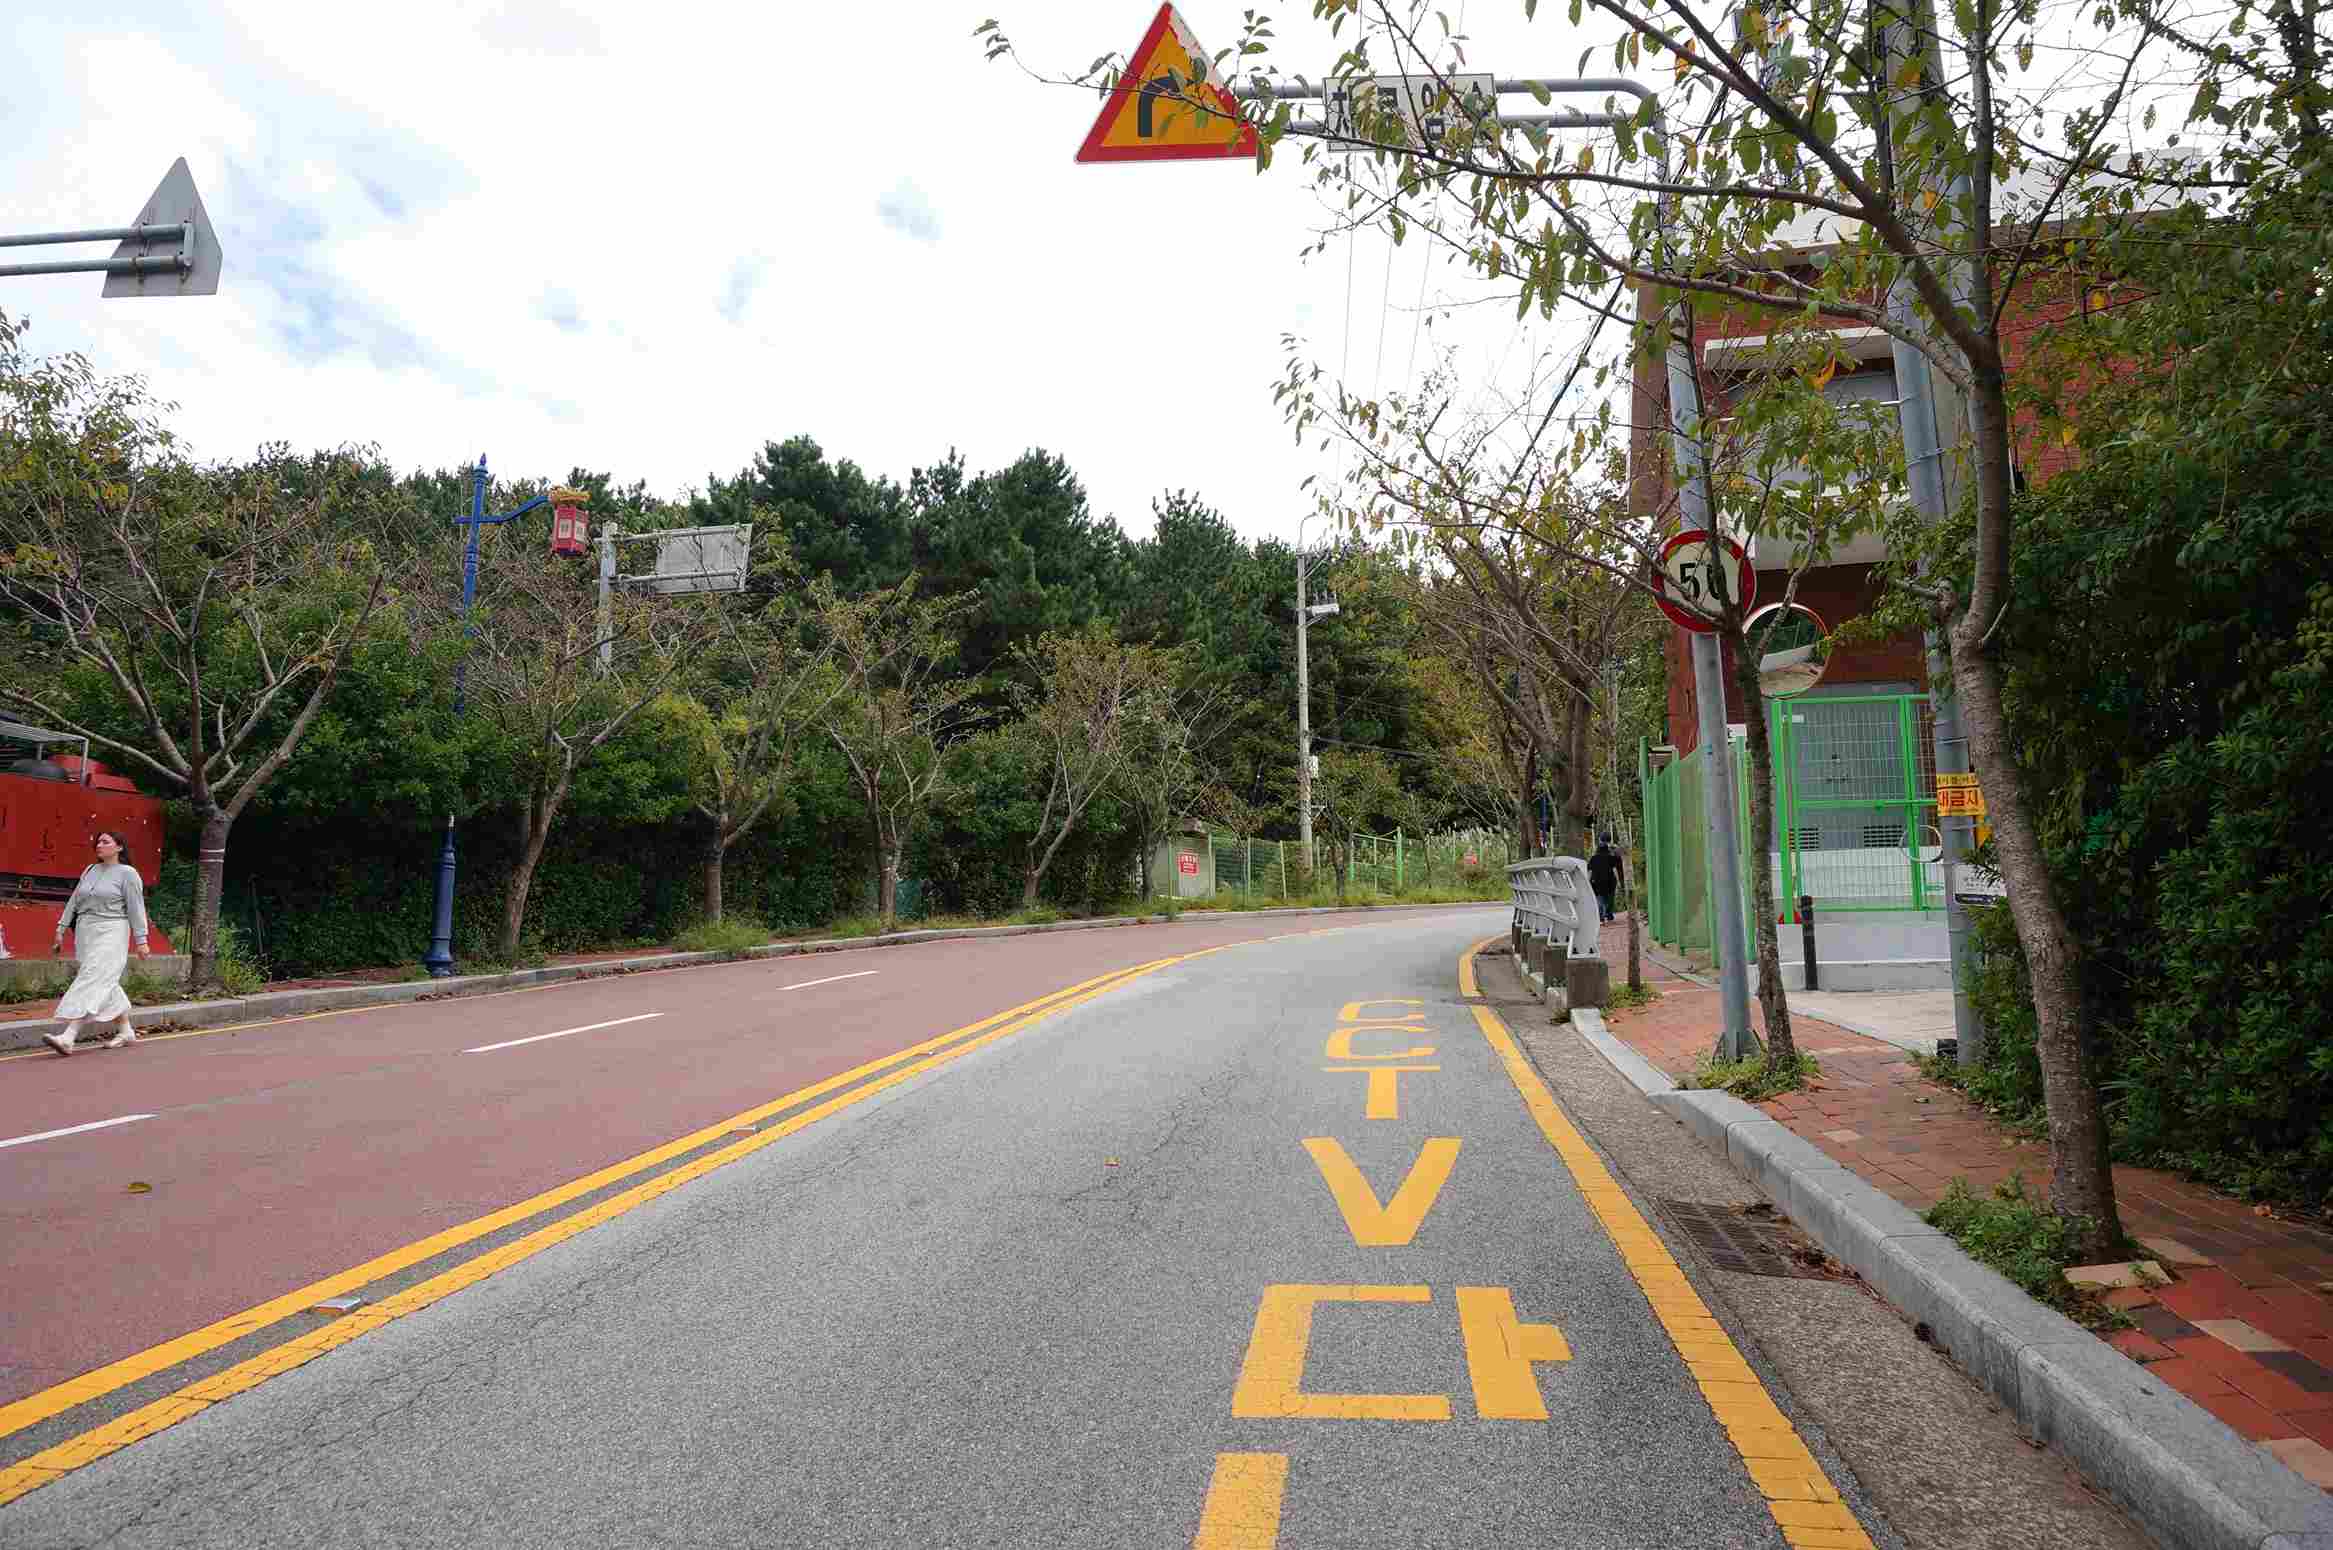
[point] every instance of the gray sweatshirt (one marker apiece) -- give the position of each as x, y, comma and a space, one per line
108, 893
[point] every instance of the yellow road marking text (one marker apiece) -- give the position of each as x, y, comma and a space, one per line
1500, 1351
1396, 1221
1340, 1044
1352, 1011
1271, 1380
1384, 1089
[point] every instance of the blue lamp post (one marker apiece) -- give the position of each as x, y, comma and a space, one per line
440, 960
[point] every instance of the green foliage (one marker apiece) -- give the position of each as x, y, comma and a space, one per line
1621, 998
1755, 1078
731, 934
2169, 644
2024, 1240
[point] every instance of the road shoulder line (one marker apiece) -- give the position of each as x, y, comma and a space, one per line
59, 1398
2184, 1474
1805, 1505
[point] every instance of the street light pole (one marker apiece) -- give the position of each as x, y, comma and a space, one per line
440, 959
1305, 609
1303, 714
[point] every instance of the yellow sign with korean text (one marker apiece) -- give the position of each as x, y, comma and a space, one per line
1958, 796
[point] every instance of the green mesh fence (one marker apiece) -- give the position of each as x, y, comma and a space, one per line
1854, 816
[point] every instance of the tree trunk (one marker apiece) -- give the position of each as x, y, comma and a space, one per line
1773, 1000
2081, 1170
210, 879
2081, 1173
1527, 805
887, 880
1150, 845
1031, 875
1635, 956
716, 850
514, 906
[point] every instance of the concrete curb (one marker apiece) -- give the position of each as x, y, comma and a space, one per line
1648, 1077
270, 1005
2188, 1478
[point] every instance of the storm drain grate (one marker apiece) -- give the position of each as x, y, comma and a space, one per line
1751, 1240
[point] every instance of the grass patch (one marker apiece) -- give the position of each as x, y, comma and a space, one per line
1755, 1078
733, 934
40, 985
1622, 999
145, 988
2026, 1241
1041, 915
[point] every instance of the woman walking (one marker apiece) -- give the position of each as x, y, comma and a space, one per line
106, 914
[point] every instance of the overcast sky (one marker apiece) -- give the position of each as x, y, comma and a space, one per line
646, 239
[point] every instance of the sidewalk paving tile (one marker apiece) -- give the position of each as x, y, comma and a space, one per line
2244, 1327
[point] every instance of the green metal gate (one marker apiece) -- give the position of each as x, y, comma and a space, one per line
1854, 816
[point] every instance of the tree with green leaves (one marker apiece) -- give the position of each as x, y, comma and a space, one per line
1820, 164
190, 621
1091, 689
901, 707
759, 689
530, 659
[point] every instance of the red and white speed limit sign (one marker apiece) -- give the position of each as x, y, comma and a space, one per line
1688, 579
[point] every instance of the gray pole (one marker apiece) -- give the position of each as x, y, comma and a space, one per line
1697, 507
1303, 715
1924, 466
605, 621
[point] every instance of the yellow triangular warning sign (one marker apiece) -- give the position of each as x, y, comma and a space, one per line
1170, 103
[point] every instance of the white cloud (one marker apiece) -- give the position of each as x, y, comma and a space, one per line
906, 210
648, 239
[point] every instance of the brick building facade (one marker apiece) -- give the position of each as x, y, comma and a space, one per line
1848, 588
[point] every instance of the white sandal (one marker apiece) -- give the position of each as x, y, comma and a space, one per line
126, 1037
62, 1043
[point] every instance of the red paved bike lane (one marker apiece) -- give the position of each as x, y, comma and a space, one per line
285, 1152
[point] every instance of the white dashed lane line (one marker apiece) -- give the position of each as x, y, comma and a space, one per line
74, 1130
561, 1034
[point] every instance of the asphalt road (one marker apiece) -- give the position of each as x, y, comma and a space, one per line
1263, 1247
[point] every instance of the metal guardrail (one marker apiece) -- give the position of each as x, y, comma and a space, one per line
1555, 902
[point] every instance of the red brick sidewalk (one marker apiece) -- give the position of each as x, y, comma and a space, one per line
2245, 1329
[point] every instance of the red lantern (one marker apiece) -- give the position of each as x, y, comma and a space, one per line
570, 533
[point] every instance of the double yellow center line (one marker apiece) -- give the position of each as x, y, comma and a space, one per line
848, 1088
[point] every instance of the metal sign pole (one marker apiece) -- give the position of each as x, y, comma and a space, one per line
606, 621
171, 244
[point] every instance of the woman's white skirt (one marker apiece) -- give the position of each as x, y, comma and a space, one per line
103, 946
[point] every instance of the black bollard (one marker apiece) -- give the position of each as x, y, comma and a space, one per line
1806, 927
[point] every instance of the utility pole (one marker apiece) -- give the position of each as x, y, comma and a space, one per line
605, 621
1303, 716
1305, 610
1934, 421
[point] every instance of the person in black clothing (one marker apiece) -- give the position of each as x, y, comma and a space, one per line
1604, 876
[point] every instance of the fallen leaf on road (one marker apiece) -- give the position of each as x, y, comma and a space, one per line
141, 1189
1109, 1162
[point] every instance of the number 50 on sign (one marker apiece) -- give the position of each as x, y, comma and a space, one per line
1694, 582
